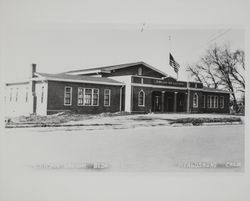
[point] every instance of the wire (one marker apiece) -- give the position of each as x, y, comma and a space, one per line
220, 35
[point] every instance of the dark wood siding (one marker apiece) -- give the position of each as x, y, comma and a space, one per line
56, 98
226, 108
133, 70
198, 109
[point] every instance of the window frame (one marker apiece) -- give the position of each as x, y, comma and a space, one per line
71, 91
143, 98
204, 101
208, 101
11, 95
197, 101
16, 97
109, 97
42, 94
26, 95
92, 96
78, 90
222, 105
215, 101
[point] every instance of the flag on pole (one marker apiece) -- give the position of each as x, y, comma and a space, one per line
173, 63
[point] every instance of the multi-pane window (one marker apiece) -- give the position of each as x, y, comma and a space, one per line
91, 97
95, 96
216, 101
204, 101
42, 94
141, 98
212, 101
106, 97
88, 97
221, 101
16, 94
11, 94
80, 96
26, 94
209, 104
67, 95
208, 101
195, 100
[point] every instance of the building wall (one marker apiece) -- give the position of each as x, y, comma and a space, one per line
126, 92
148, 100
202, 109
134, 71
41, 91
148, 97
56, 98
21, 101
225, 109
194, 109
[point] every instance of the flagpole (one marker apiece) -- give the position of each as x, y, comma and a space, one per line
170, 49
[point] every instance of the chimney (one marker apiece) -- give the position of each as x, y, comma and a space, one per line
33, 70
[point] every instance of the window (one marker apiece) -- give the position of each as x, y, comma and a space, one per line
95, 96
42, 94
80, 96
26, 94
216, 101
106, 97
204, 101
222, 102
141, 98
140, 71
87, 96
68, 96
91, 97
212, 101
11, 94
16, 94
195, 100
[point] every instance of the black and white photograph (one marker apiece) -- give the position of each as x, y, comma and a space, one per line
97, 98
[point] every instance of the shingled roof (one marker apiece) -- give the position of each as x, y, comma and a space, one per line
77, 78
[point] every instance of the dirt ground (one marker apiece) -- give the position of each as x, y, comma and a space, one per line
120, 120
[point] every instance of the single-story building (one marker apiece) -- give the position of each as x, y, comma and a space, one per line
132, 87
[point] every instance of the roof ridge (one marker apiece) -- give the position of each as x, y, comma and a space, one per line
102, 67
77, 77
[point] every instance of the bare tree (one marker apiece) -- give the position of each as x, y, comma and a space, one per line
221, 68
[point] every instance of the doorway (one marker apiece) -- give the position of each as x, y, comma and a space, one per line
156, 101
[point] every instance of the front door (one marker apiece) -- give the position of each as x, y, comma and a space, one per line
156, 101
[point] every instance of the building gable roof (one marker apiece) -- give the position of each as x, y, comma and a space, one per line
77, 78
107, 69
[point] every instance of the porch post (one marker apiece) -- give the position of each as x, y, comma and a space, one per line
162, 101
175, 101
188, 98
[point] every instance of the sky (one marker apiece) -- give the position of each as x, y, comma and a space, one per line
60, 36
60, 48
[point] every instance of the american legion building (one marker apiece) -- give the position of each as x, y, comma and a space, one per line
132, 87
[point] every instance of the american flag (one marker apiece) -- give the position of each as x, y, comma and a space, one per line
173, 63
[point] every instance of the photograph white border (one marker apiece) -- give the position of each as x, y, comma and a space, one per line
131, 186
